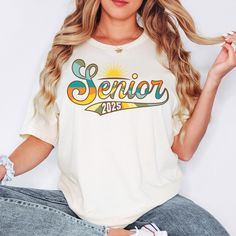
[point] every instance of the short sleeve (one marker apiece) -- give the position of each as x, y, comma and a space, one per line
43, 125
176, 122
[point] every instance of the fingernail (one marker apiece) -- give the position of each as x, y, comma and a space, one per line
231, 32
222, 44
225, 35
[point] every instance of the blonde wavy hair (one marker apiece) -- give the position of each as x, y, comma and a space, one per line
160, 19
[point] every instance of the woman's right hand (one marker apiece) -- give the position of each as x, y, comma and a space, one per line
2, 171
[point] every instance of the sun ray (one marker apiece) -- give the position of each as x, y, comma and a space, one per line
114, 70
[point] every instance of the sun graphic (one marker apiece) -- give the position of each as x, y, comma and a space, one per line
114, 70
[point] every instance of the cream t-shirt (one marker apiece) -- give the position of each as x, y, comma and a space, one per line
113, 123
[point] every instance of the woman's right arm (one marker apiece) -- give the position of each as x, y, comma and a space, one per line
28, 155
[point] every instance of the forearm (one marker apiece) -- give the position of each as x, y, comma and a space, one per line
196, 126
28, 155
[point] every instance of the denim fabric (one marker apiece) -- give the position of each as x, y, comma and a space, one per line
41, 212
180, 216
31, 212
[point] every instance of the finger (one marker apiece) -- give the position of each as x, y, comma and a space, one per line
230, 36
223, 54
233, 33
232, 44
231, 39
231, 53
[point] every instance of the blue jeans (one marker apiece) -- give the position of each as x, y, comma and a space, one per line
41, 212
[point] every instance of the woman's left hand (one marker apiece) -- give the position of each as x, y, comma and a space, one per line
226, 60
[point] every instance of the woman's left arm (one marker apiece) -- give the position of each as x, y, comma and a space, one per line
196, 126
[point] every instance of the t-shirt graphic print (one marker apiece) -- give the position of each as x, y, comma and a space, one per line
114, 82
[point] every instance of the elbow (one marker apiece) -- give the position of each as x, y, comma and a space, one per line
185, 157
182, 154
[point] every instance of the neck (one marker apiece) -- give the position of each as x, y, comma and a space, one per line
116, 30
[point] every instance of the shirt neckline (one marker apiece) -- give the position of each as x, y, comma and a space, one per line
128, 45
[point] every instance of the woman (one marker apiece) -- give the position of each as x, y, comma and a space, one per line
121, 102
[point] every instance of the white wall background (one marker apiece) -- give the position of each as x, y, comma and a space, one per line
27, 30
